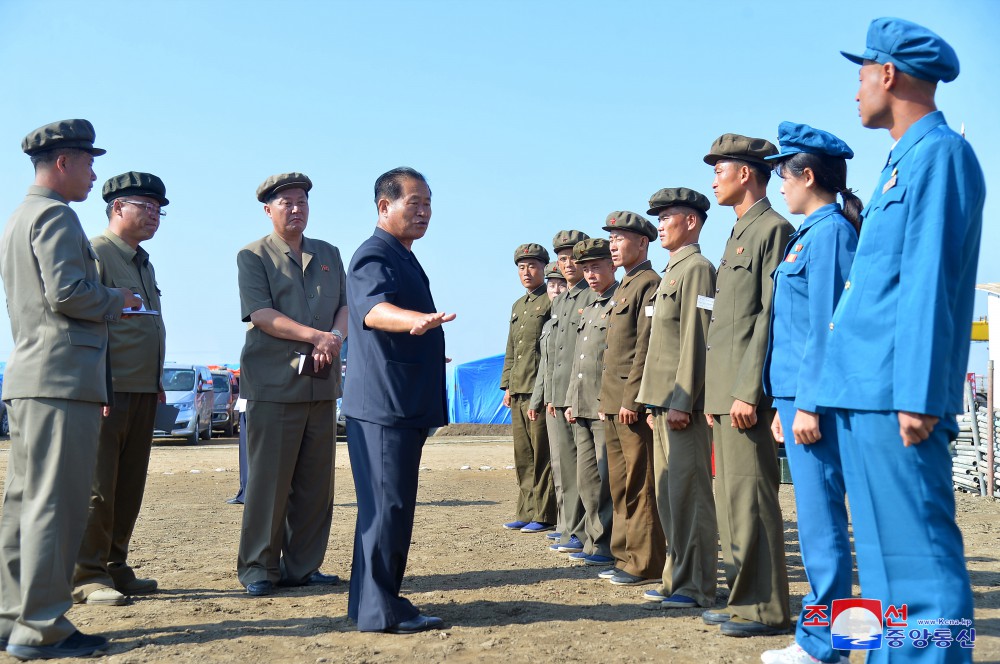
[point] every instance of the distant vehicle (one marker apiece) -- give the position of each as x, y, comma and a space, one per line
226, 392
189, 389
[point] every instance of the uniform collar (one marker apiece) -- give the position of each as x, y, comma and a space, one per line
307, 249
36, 190
541, 290
917, 130
578, 288
751, 215
817, 215
682, 253
606, 295
645, 265
128, 252
391, 240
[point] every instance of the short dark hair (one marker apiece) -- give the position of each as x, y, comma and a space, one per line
270, 199
390, 184
763, 172
48, 157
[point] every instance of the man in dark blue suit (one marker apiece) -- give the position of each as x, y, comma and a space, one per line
394, 393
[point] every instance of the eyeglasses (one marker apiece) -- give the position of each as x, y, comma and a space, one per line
283, 204
152, 209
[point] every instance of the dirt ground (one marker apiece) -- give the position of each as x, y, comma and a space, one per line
502, 594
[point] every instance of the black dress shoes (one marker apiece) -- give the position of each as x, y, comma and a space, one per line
711, 617
260, 588
421, 623
320, 579
741, 627
76, 644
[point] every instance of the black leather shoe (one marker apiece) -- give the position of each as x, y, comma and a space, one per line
260, 588
320, 579
742, 627
235, 501
76, 644
421, 623
711, 617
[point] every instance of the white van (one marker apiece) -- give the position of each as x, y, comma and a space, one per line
189, 389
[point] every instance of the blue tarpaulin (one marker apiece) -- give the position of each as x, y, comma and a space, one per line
474, 393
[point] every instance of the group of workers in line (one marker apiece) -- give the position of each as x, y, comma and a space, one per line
844, 339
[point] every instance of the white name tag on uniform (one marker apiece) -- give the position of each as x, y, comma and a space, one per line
707, 303
649, 311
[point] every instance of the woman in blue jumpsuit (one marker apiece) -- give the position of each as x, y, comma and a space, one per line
807, 284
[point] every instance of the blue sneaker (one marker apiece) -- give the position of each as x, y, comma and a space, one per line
554, 536
537, 527
515, 525
554, 547
653, 596
676, 601
597, 559
574, 545
578, 557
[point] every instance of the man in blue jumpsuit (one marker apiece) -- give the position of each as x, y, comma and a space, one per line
395, 392
898, 347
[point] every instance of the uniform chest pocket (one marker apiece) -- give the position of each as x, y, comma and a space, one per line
887, 219
622, 309
668, 290
741, 262
794, 267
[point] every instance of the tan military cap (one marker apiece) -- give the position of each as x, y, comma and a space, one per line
677, 196
75, 134
630, 221
280, 182
134, 183
591, 250
531, 250
552, 271
744, 148
568, 239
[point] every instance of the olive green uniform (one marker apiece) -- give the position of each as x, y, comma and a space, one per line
136, 351
539, 398
674, 378
637, 540
290, 417
536, 498
746, 465
582, 397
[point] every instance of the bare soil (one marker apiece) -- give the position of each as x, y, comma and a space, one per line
502, 594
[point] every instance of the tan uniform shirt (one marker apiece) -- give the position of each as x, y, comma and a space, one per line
737, 336
628, 340
674, 375
567, 310
584, 390
59, 310
137, 343
540, 393
520, 362
310, 293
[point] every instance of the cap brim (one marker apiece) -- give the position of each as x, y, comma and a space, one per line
856, 59
780, 155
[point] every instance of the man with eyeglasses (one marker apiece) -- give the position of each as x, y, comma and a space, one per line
136, 344
57, 378
293, 294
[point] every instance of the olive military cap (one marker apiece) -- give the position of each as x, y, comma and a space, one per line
567, 239
134, 183
277, 183
630, 221
744, 148
677, 197
591, 250
65, 134
552, 272
531, 250
914, 50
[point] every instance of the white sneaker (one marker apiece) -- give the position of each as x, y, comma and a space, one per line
106, 597
793, 654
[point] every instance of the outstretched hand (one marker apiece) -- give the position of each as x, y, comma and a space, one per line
430, 321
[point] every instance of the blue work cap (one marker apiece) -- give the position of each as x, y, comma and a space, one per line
914, 50
794, 138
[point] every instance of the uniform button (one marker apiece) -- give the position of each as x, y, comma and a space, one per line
708, 348
579, 375
581, 356
316, 317
831, 326
519, 357
712, 319
847, 285
716, 290
311, 296
585, 338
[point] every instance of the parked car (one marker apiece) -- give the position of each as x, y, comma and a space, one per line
226, 392
189, 389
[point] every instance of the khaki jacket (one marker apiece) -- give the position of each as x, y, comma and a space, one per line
310, 293
59, 310
137, 343
567, 309
628, 340
520, 362
584, 391
737, 337
674, 375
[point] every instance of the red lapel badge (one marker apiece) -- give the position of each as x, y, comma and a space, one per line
739, 250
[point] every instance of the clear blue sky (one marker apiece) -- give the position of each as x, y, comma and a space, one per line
526, 117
